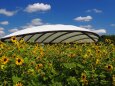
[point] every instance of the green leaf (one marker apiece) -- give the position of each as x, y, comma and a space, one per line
69, 65
103, 82
56, 84
77, 71
16, 79
22, 50
33, 83
2, 66
102, 76
80, 66
45, 78
72, 81
26, 59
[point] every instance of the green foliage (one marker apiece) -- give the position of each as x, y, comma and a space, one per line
111, 37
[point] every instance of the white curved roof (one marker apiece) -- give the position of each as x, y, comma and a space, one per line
55, 34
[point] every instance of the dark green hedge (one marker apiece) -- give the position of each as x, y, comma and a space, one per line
111, 37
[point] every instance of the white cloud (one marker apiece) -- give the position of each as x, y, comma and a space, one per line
34, 22
2, 33
86, 19
4, 23
86, 26
7, 13
90, 27
13, 30
113, 25
37, 7
26, 26
100, 31
1, 28
95, 11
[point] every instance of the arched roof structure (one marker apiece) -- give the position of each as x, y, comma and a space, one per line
54, 34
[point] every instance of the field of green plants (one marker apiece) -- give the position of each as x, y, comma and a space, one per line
24, 64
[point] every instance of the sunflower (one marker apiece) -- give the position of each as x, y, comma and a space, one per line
109, 67
89, 51
19, 61
14, 56
86, 82
36, 45
71, 55
4, 60
13, 39
83, 79
85, 56
97, 61
83, 76
39, 66
21, 40
108, 40
19, 84
41, 54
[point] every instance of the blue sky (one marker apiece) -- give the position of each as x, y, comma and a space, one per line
91, 14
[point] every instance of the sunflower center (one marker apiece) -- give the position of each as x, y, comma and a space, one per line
109, 67
19, 60
5, 59
83, 77
13, 38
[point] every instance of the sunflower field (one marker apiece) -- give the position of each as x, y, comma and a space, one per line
25, 64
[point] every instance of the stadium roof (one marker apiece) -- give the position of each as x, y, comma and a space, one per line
54, 34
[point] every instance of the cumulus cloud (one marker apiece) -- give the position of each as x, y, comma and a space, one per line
34, 22
86, 26
91, 28
13, 30
1, 28
37, 7
6, 12
100, 31
4, 23
2, 33
85, 19
95, 11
